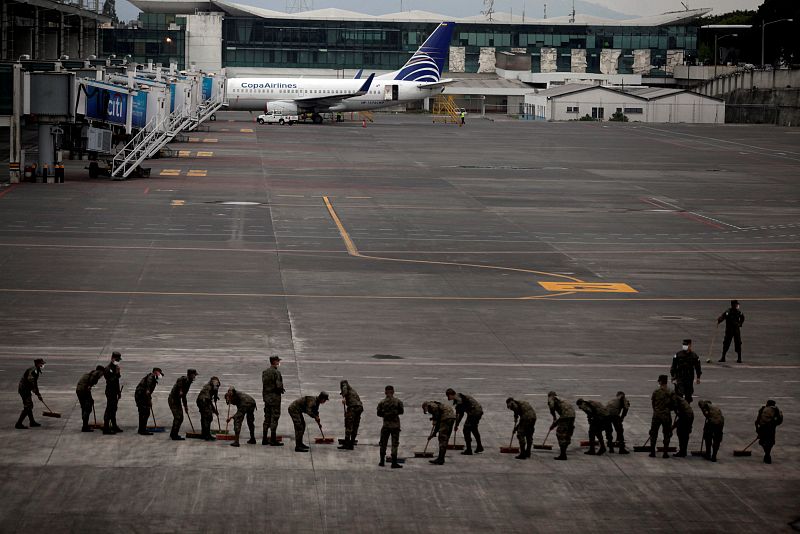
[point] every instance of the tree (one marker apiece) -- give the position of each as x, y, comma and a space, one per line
781, 45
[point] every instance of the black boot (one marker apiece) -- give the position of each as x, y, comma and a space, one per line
478, 445
235, 443
521, 455
382, 463
623, 450
467, 450
301, 447
114, 426
439, 460
395, 465
652, 450
563, 455
274, 441
714, 454
611, 447
527, 450
32, 423
264, 440
176, 437
107, 431
739, 358
665, 454
345, 443
722, 359
602, 450
19, 424
591, 451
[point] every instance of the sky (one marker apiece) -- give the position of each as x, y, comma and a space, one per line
463, 8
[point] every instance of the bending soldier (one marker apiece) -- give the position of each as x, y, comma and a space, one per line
712, 430
769, 417
524, 424
177, 402
564, 425
597, 415
684, 419
352, 414
112, 374
272, 382
390, 409
29, 383
305, 405
443, 417
245, 407
84, 392
464, 404
207, 404
734, 319
617, 410
684, 366
661, 400
144, 398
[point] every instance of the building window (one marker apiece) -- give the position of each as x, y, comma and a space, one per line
634, 111
573, 109
598, 113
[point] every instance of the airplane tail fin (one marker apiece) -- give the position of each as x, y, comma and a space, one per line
427, 63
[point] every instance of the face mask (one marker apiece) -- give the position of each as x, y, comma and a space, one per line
685, 347
41, 369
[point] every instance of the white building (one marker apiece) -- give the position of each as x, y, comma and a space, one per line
642, 104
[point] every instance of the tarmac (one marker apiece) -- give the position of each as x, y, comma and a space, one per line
503, 258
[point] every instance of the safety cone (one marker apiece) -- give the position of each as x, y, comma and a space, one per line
363, 123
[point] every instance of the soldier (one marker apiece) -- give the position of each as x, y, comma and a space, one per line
390, 409
769, 417
734, 319
305, 405
617, 410
112, 374
29, 383
684, 419
684, 366
564, 425
465, 404
352, 414
661, 400
207, 404
245, 407
144, 398
524, 423
272, 382
84, 392
443, 417
597, 416
712, 430
177, 402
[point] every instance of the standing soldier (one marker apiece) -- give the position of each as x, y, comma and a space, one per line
734, 319
144, 398
712, 430
177, 402
112, 374
352, 414
305, 405
684, 419
661, 400
564, 425
597, 416
617, 410
245, 407
769, 417
84, 392
443, 417
684, 366
390, 409
524, 423
29, 383
465, 404
272, 383
207, 404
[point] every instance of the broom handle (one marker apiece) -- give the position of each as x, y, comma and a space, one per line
219, 425
227, 420
320, 429
547, 436
153, 413
189, 417
512, 436
751, 444
428, 442
94, 414
454, 438
46, 406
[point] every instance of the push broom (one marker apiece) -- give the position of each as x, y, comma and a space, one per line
155, 427
510, 449
701, 452
95, 425
453, 446
323, 440
49, 412
544, 447
224, 435
425, 453
642, 448
745, 451
193, 434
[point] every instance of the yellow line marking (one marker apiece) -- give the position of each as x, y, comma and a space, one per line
209, 140
246, 130
178, 202
225, 130
588, 287
184, 153
194, 139
205, 154
170, 172
197, 172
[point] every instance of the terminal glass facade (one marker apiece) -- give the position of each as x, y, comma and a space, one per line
153, 41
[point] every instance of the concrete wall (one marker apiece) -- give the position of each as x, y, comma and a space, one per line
609, 60
548, 60
641, 61
578, 60
759, 79
486, 59
764, 106
457, 58
203, 38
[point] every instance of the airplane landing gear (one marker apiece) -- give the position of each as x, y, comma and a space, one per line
316, 118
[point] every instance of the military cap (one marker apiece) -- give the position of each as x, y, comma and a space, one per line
389, 388
663, 379
734, 302
450, 391
191, 372
158, 370
273, 359
579, 402
323, 395
116, 356
687, 341
38, 361
770, 402
703, 403
552, 394
510, 399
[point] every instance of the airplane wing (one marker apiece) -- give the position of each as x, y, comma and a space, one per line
440, 83
332, 100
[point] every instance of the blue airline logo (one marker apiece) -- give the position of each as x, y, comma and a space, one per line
268, 85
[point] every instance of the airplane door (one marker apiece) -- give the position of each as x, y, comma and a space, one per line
391, 92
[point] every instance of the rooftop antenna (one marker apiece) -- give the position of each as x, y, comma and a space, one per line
296, 6
523, 11
572, 15
685, 6
545, 11
488, 9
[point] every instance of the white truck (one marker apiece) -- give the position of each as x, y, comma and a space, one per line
277, 117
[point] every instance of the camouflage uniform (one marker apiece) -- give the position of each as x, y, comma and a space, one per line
685, 364
661, 400
597, 415
464, 404
443, 417
272, 382
206, 403
565, 424
29, 383
684, 419
525, 423
112, 375
390, 409
177, 403
617, 410
352, 414
84, 392
769, 417
144, 399
712, 430
304, 405
734, 319
246, 407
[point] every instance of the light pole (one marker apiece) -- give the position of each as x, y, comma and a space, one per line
715, 27
763, 26
717, 38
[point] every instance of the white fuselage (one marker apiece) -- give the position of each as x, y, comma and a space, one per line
255, 94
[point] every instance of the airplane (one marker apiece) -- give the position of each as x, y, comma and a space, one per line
419, 78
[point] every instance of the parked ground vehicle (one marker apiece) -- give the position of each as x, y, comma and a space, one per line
277, 117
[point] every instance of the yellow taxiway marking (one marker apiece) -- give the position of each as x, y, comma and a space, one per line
178, 203
205, 154
246, 130
170, 172
210, 140
588, 287
197, 172
194, 139
184, 153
